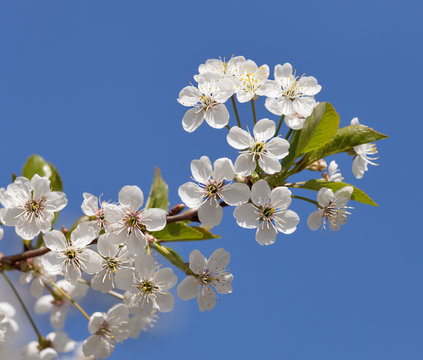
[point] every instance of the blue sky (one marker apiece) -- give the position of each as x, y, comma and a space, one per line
92, 87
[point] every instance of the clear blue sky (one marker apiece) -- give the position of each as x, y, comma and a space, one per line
92, 87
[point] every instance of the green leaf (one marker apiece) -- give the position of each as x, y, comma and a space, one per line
182, 232
319, 128
159, 191
345, 139
35, 164
357, 195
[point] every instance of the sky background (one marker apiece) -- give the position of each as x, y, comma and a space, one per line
92, 85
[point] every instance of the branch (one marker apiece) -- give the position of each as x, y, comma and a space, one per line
13, 260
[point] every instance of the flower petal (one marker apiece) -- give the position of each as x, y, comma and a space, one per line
189, 288
223, 283
165, 302
219, 260
89, 205
280, 197
206, 299
264, 130
239, 138
286, 221
201, 169
245, 164
154, 219
246, 216
192, 119
197, 261
83, 235
90, 261
260, 192
210, 213
266, 234
223, 170
131, 197
218, 116
314, 221
191, 194
235, 194
167, 276
278, 147
269, 163
325, 196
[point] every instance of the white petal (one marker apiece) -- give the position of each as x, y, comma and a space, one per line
218, 116
283, 71
266, 235
219, 260
287, 221
264, 130
165, 302
40, 185
96, 321
83, 235
314, 221
245, 164
101, 282
192, 119
191, 194
91, 262
10, 217
238, 138
280, 197
131, 197
201, 169
244, 95
58, 317
197, 261
342, 196
144, 264
89, 205
324, 197
359, 167
123, 279
189, 288
55, 240
113, 213
210, 213
154, 219
61, 341
303, 106
44, 304
294, 121
223, 283
355, 121
246, 216
235, 194
309, 85
278, 147
53, 262
167, 276
269, 163
56, 201
97, 346
274, 106
189, 96
223, 170
207, 299
260, 192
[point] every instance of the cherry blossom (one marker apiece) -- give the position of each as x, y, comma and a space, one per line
211, 187
268, 212
207, 274
39, 277
263, 148
56, 342
30, 205
332, 208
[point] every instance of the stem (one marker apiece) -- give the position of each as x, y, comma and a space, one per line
110, 292
40, 337
236, 111
305, 199
228, 127
289, 134
254, 111
173, 258
74, 303
279, 125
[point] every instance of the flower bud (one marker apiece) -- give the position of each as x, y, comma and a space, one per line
319, 165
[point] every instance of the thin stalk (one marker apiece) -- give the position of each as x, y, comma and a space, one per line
110, 292
74, 303
235, 110
305, 199
253, 107
279, 125
288, 134
40, 337
228, 127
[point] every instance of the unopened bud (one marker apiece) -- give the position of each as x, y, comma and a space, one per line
319, 165
239, 178
176, 209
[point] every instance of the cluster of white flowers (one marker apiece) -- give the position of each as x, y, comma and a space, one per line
109, 248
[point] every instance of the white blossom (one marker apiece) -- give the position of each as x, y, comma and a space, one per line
30, 205
140, 322
106, 330
208, 274
221, 68
58, 305
252, 81
295, 121
268, 212
38, 275
8, 326
58, 342
211, 187
207, 101
362, 158
149, 287
333, 174
263, 148
90, 207
332, 208
295, 95
71, 256
116, 267
128, 224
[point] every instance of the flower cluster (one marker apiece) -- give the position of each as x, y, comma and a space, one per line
110, 249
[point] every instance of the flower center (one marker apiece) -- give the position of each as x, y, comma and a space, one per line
147, 287
34, 207
113, 264
70, 254
258, 147
132, 221
267, 214
208, 102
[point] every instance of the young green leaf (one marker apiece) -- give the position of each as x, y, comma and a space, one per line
345, 139
35, 164
159, 191
357, 195
182, 232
